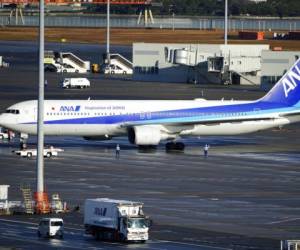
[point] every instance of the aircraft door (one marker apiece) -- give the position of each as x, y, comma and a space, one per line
35, 114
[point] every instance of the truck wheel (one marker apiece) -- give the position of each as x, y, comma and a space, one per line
76, 71
65, 71
112, 72
122, 238
29, 154
124, 73
99, 236
48, 155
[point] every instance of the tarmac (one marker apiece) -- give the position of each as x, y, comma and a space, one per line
245, 195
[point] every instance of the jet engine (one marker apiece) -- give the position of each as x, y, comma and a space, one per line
146, 135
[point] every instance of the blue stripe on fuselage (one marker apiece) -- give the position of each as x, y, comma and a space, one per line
183, 115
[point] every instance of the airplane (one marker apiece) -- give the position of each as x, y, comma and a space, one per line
148, 122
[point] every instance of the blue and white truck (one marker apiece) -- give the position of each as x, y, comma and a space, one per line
118, 220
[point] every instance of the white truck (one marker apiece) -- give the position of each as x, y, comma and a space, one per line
119, 220
6, 134
76, 83
48, 152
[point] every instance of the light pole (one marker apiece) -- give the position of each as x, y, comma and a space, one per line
39, 195
108, 32
173, 21
226, 23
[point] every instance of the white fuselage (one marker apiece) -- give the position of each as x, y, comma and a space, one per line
112, 118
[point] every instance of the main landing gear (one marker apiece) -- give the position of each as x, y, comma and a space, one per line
175, 146
147, 148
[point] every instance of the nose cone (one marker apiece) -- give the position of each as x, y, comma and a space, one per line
3, 121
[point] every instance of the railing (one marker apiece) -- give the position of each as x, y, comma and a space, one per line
63, 2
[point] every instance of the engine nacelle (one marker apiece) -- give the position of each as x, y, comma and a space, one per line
145, 135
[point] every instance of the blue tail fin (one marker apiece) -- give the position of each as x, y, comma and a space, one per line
287, 90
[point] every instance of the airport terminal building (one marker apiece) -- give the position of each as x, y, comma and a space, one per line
210, 63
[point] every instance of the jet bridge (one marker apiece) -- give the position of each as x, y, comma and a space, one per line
232, 69
230, 65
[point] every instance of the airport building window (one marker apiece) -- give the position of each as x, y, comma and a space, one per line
147, 70
271, 79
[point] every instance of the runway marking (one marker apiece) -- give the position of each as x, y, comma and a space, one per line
191, 244
35, 224
281, 221
40, 242
21, 222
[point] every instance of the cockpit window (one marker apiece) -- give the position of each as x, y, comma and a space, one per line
13, 111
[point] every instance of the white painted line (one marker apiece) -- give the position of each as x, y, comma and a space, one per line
191, 244
281, 221
35, 224
17, 221
41, 242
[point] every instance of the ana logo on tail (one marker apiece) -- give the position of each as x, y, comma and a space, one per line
290, 81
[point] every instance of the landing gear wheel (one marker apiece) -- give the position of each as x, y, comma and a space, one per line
179, 146
147, 148
172, 146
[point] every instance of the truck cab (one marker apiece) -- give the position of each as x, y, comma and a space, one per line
51, 227
134, 228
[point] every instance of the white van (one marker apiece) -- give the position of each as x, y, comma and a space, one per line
76, 83
51, 227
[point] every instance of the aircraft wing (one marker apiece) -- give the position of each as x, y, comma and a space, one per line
292, 113
194, 121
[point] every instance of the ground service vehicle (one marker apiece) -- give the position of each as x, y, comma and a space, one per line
3, 134
50, 68
76, 83
51, 227
116, 69
116, 220
48, 152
